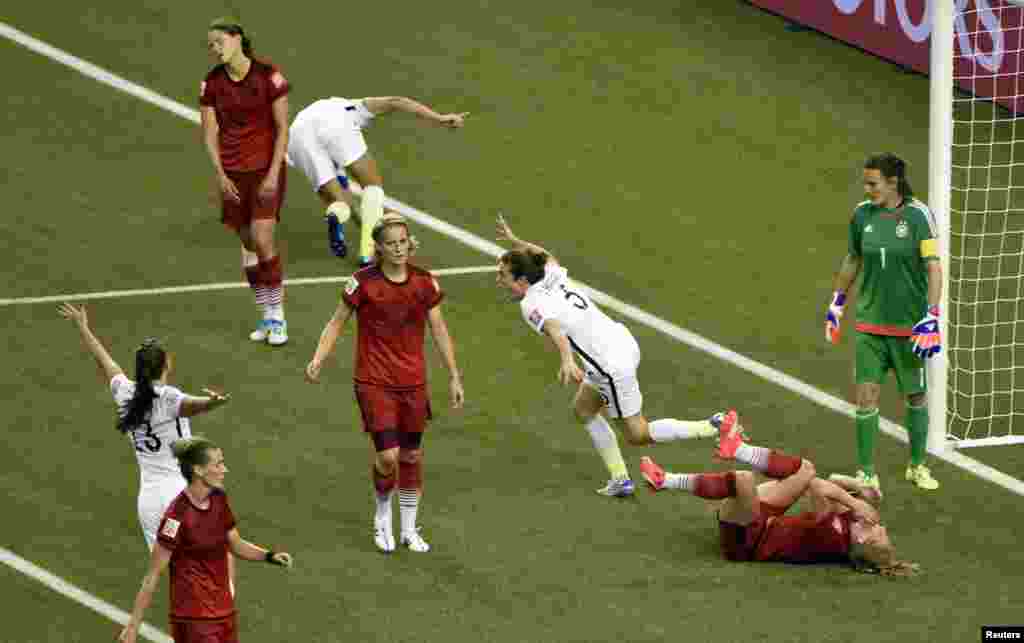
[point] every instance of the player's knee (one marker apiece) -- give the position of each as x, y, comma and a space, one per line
807, 469
387, 461
410, 456
636, 437
746, 483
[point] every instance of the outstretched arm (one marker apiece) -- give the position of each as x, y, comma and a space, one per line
248, 551
505, 234
192, 405
108, 367
386, 104
443, 342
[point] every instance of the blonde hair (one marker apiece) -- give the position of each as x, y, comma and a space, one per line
881, 560
392, 219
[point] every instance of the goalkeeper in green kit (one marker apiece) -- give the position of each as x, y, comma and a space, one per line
892, 240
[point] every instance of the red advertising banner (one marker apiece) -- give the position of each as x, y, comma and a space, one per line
988, 37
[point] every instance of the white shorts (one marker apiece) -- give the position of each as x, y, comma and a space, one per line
617, 382
324, 139
153, 502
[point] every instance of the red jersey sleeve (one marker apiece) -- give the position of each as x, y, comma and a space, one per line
432, 291
229, 516
278, 85
352, 294
170, 532
206, 91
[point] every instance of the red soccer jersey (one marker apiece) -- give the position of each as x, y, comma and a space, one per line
199, 564
807, 538
244, 114
392, 318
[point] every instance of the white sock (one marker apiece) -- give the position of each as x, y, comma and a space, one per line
668, 430
408, 505
607, 445
383, 505
372, 210
273, 311
683, 481
756, 457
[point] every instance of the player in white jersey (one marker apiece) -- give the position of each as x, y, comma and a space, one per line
608, 386
327, 138
152, 414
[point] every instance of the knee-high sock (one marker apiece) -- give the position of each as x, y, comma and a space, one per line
410, 489
372, 210
668, 430
867, 429
254, 275
774, 464
713, 486
607, 446
917, 428
272, 278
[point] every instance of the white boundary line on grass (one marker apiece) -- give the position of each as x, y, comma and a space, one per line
73, 592
225, 285
467, 238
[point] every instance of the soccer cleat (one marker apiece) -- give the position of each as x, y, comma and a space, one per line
617, 488
382, 536
652, 473
278, 334
921, 476
336, 236
861, 485
730, 436
261, 332
414, 541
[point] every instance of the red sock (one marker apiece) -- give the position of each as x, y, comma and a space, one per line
271, 274
781, 465
715, 486
383, 485
410, 475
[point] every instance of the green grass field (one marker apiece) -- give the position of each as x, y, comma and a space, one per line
695, 160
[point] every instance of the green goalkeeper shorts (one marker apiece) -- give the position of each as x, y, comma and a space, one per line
877, 354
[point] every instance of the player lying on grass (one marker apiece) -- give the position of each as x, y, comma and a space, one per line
608, 386
327, 138
842, 525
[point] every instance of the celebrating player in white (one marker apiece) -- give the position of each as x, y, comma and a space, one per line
327, 138
552, 305
152, 414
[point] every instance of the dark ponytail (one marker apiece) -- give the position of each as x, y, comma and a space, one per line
529, 265
230, 26
150, 360
891, 166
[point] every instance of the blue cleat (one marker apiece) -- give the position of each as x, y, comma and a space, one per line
617, 488
336, 236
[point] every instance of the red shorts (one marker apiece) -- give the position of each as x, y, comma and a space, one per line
223, 630
739, 542
390, 410
235, 214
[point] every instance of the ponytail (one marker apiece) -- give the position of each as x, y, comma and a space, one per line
892, 166
150, 360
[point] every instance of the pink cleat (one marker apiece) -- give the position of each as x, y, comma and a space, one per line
730, 436
652, 473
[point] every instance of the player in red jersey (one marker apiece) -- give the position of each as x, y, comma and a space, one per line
196, 533
842, 525
393, 301
244, 108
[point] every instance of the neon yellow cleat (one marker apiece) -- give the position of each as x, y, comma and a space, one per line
921, 476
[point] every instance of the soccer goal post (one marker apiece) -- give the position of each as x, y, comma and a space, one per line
976, 192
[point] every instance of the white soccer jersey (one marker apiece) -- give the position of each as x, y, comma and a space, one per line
327, 137
604, 345
152, 440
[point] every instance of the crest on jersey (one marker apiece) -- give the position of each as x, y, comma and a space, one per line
350, 285
170, 528
869, 228
535, 317
902, 230
277, 79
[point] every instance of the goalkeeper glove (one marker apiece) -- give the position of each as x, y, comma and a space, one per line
832, 317
925, 337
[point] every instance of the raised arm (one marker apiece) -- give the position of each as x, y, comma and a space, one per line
193, 405
158, 562
443, 342
328, 338
569, 370
505, 234
108, 367
385, 104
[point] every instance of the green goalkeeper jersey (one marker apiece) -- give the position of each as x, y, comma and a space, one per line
894, 288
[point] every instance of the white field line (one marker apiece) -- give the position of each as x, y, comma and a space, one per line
467, 238
61, 586
225, 285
